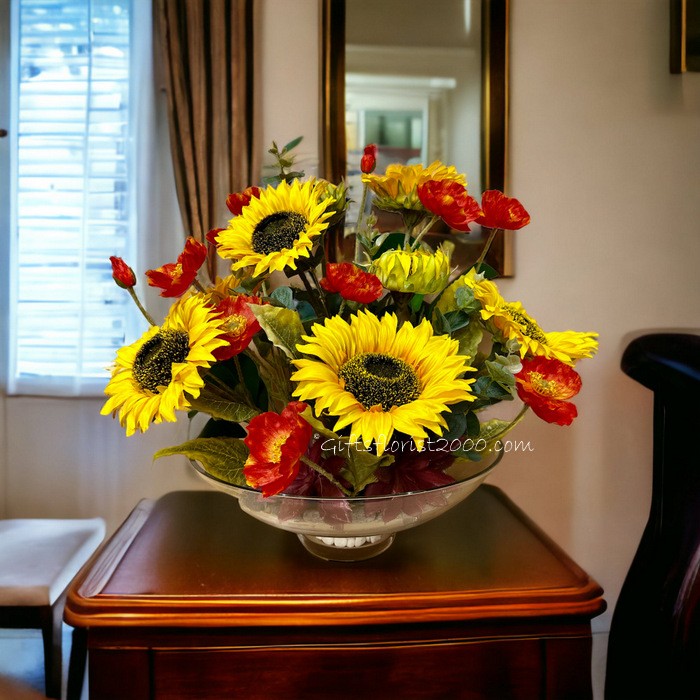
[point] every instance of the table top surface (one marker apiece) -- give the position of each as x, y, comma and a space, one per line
195, 559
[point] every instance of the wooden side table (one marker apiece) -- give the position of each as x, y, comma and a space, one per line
192, 598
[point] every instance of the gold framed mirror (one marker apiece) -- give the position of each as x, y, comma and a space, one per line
493, 20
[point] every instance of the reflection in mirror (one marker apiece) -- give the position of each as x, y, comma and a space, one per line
425, 82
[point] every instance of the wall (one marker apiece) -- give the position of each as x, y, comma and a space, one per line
604, 151
604, 148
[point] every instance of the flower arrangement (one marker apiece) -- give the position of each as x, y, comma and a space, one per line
367, 377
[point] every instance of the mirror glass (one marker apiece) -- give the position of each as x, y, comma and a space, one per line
425, 81
413, 85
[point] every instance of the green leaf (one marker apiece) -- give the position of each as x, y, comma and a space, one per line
361, 466
285, 296
293, 143
493, 430
457, 320
278, 389
308, 415
456, 426
221, 457
441, 326
305, 310
486, 270
469, 338
392, 241
282, 326
464, 298
473, 425
500, 374
416, 301
219, 404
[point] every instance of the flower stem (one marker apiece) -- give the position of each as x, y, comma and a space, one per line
323, 472
482, 257
145, 313
359, 222
246, 392
198, 285
425, 230
321, 292
313, 297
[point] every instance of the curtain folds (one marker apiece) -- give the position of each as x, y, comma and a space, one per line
205, 51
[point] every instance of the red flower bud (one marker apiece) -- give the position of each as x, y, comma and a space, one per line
369, 159
122, 274
237, 200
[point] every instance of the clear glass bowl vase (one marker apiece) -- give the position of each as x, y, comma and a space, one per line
353, 529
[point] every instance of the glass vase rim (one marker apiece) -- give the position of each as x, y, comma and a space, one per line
404, 494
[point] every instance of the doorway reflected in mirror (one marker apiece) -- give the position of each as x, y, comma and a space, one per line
425, 82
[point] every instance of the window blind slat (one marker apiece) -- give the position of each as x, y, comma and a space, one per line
73, 203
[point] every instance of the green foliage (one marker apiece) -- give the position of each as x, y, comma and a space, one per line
500, 374
222, 457
441, 326
283, 159
284, 295
361, 467
486, 270
282, 326
469, 338
456, 425
223, 404
464, 298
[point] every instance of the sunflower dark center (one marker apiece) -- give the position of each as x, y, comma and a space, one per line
532, 330
377, 378
154, 360
278, 231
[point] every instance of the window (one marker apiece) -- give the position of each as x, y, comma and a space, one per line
72, 191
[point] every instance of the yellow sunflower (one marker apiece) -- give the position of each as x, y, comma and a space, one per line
378, 379
152, 376
397, 188
275, 230
511, 321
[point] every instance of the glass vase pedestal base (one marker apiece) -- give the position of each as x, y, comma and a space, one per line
346, 548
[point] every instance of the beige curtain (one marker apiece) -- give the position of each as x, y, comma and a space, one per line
204, 52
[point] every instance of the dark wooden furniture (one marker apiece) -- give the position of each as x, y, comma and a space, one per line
654, 647
194, 599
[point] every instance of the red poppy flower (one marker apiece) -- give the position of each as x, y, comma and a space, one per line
237, 200
500, 211
369, 159
241, 325
352, 283
122, 274
545, 385
449, 200
175, 278
276, 443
